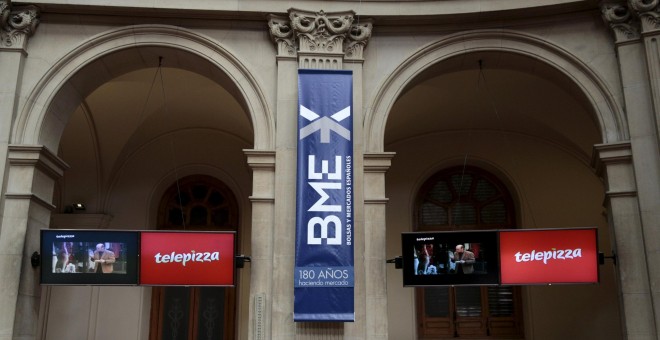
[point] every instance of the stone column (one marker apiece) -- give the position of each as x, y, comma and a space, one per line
638, 101
33, 171
19, 293
649, 15
354, 61
315, 40
262, 164
614, 163
375, 201
285, 208
17, 23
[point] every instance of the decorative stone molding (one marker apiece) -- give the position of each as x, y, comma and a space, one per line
376, 165
613, 162
39, 157
262, 163
282, 35
622, 21
16, 25
319, 39
359, 35
648, 12
320, 32
378, 162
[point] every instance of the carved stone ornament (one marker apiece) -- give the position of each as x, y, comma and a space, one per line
648, 12
622, 22
17, 24
282, 34
319, 33
358, 35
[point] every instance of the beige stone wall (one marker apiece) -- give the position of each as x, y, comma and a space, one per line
577, 44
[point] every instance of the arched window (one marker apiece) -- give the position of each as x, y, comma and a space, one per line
198, 203
195, 203
466, 198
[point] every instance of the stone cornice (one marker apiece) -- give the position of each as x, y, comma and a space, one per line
613, 153
31, 197
17, 24
39, 157
320, 39
260, 159
377, 161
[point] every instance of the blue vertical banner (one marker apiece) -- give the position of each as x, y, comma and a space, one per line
323, 274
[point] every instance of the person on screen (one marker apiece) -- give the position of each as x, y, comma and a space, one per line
416, 261
464, 260
450, 262
103, 260
423, 257
61, 263
70, 267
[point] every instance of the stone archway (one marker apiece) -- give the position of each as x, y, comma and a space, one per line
607, 112
596, 101
42, 120
37, 130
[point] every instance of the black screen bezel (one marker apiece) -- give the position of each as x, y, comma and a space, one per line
488, 239
130, 238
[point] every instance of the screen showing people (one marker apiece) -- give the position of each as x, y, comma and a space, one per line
89, 257
463, 258
447, 258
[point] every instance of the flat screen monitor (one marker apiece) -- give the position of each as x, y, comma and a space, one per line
549, 256
89, 257
450, 258
187, 258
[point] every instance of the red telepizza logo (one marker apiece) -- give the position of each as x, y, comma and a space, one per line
549, 256
187, 257
179, 258
554, 254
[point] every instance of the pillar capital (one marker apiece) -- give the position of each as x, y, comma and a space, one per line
319, 39
629, 20
648, 12
17, 24
623, 22
613, 162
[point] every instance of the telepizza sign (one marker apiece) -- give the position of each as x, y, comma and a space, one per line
548, 256
190, 258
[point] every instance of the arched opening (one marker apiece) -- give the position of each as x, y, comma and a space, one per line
523, 120
128, 128
195, 203
137, 120
123, 50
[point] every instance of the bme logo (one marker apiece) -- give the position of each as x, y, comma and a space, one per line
325, 124
330, 181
